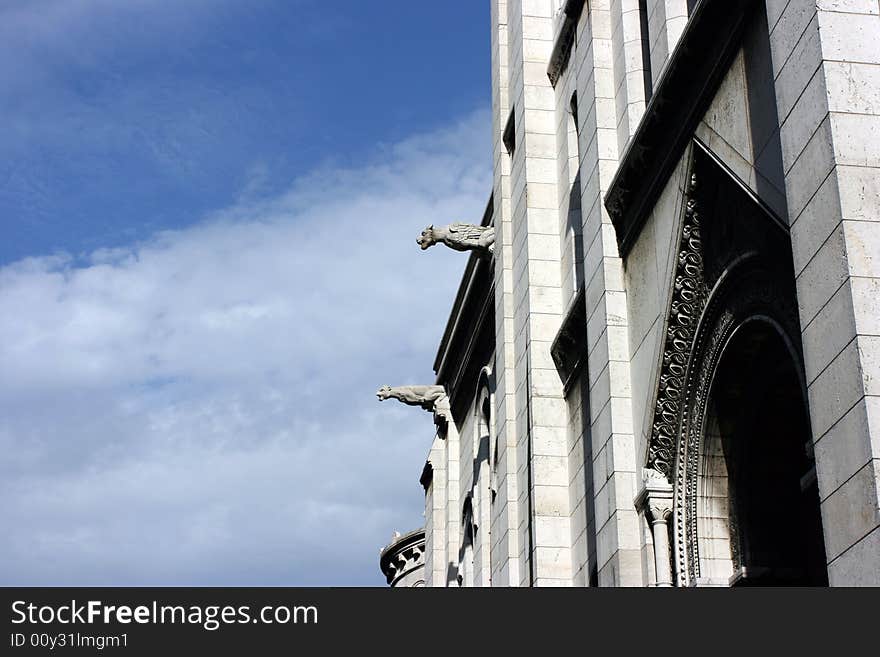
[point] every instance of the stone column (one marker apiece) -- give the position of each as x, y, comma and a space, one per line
655, 501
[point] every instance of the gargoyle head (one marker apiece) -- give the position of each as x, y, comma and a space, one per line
427, 238
383, 393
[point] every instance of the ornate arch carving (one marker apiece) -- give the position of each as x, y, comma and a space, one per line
688, 298
733, 266
752, 290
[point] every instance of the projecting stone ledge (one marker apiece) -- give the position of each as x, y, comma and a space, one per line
403, 560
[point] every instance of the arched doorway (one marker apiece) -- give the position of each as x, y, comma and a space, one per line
729, 483
757, 507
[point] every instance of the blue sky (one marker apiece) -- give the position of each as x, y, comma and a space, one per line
208, 267
123, 118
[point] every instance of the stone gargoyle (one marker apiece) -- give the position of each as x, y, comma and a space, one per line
460, 237
424, 396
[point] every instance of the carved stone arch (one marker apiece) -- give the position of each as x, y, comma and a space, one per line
486, 380
733, 268
749, 292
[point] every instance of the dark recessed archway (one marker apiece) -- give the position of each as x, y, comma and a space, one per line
758, 503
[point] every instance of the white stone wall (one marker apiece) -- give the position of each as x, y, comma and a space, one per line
610, 402
570, 441
435, 518
506, 563
806, 143
459, 461
649, 272
826, 65
650, 266
442, 516
826, 72
540, 409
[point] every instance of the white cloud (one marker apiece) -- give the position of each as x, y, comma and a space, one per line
198, 408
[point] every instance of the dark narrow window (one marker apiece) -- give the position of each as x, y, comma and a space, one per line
646, 50
509, 135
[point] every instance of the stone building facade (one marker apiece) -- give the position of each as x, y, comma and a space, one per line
664, 370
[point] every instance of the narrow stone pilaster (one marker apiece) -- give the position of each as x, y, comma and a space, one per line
541, 414
611, 431
826, 66
506, 511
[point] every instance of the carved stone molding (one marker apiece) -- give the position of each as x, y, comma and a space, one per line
688, 298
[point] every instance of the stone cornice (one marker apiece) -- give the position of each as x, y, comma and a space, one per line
692, 76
